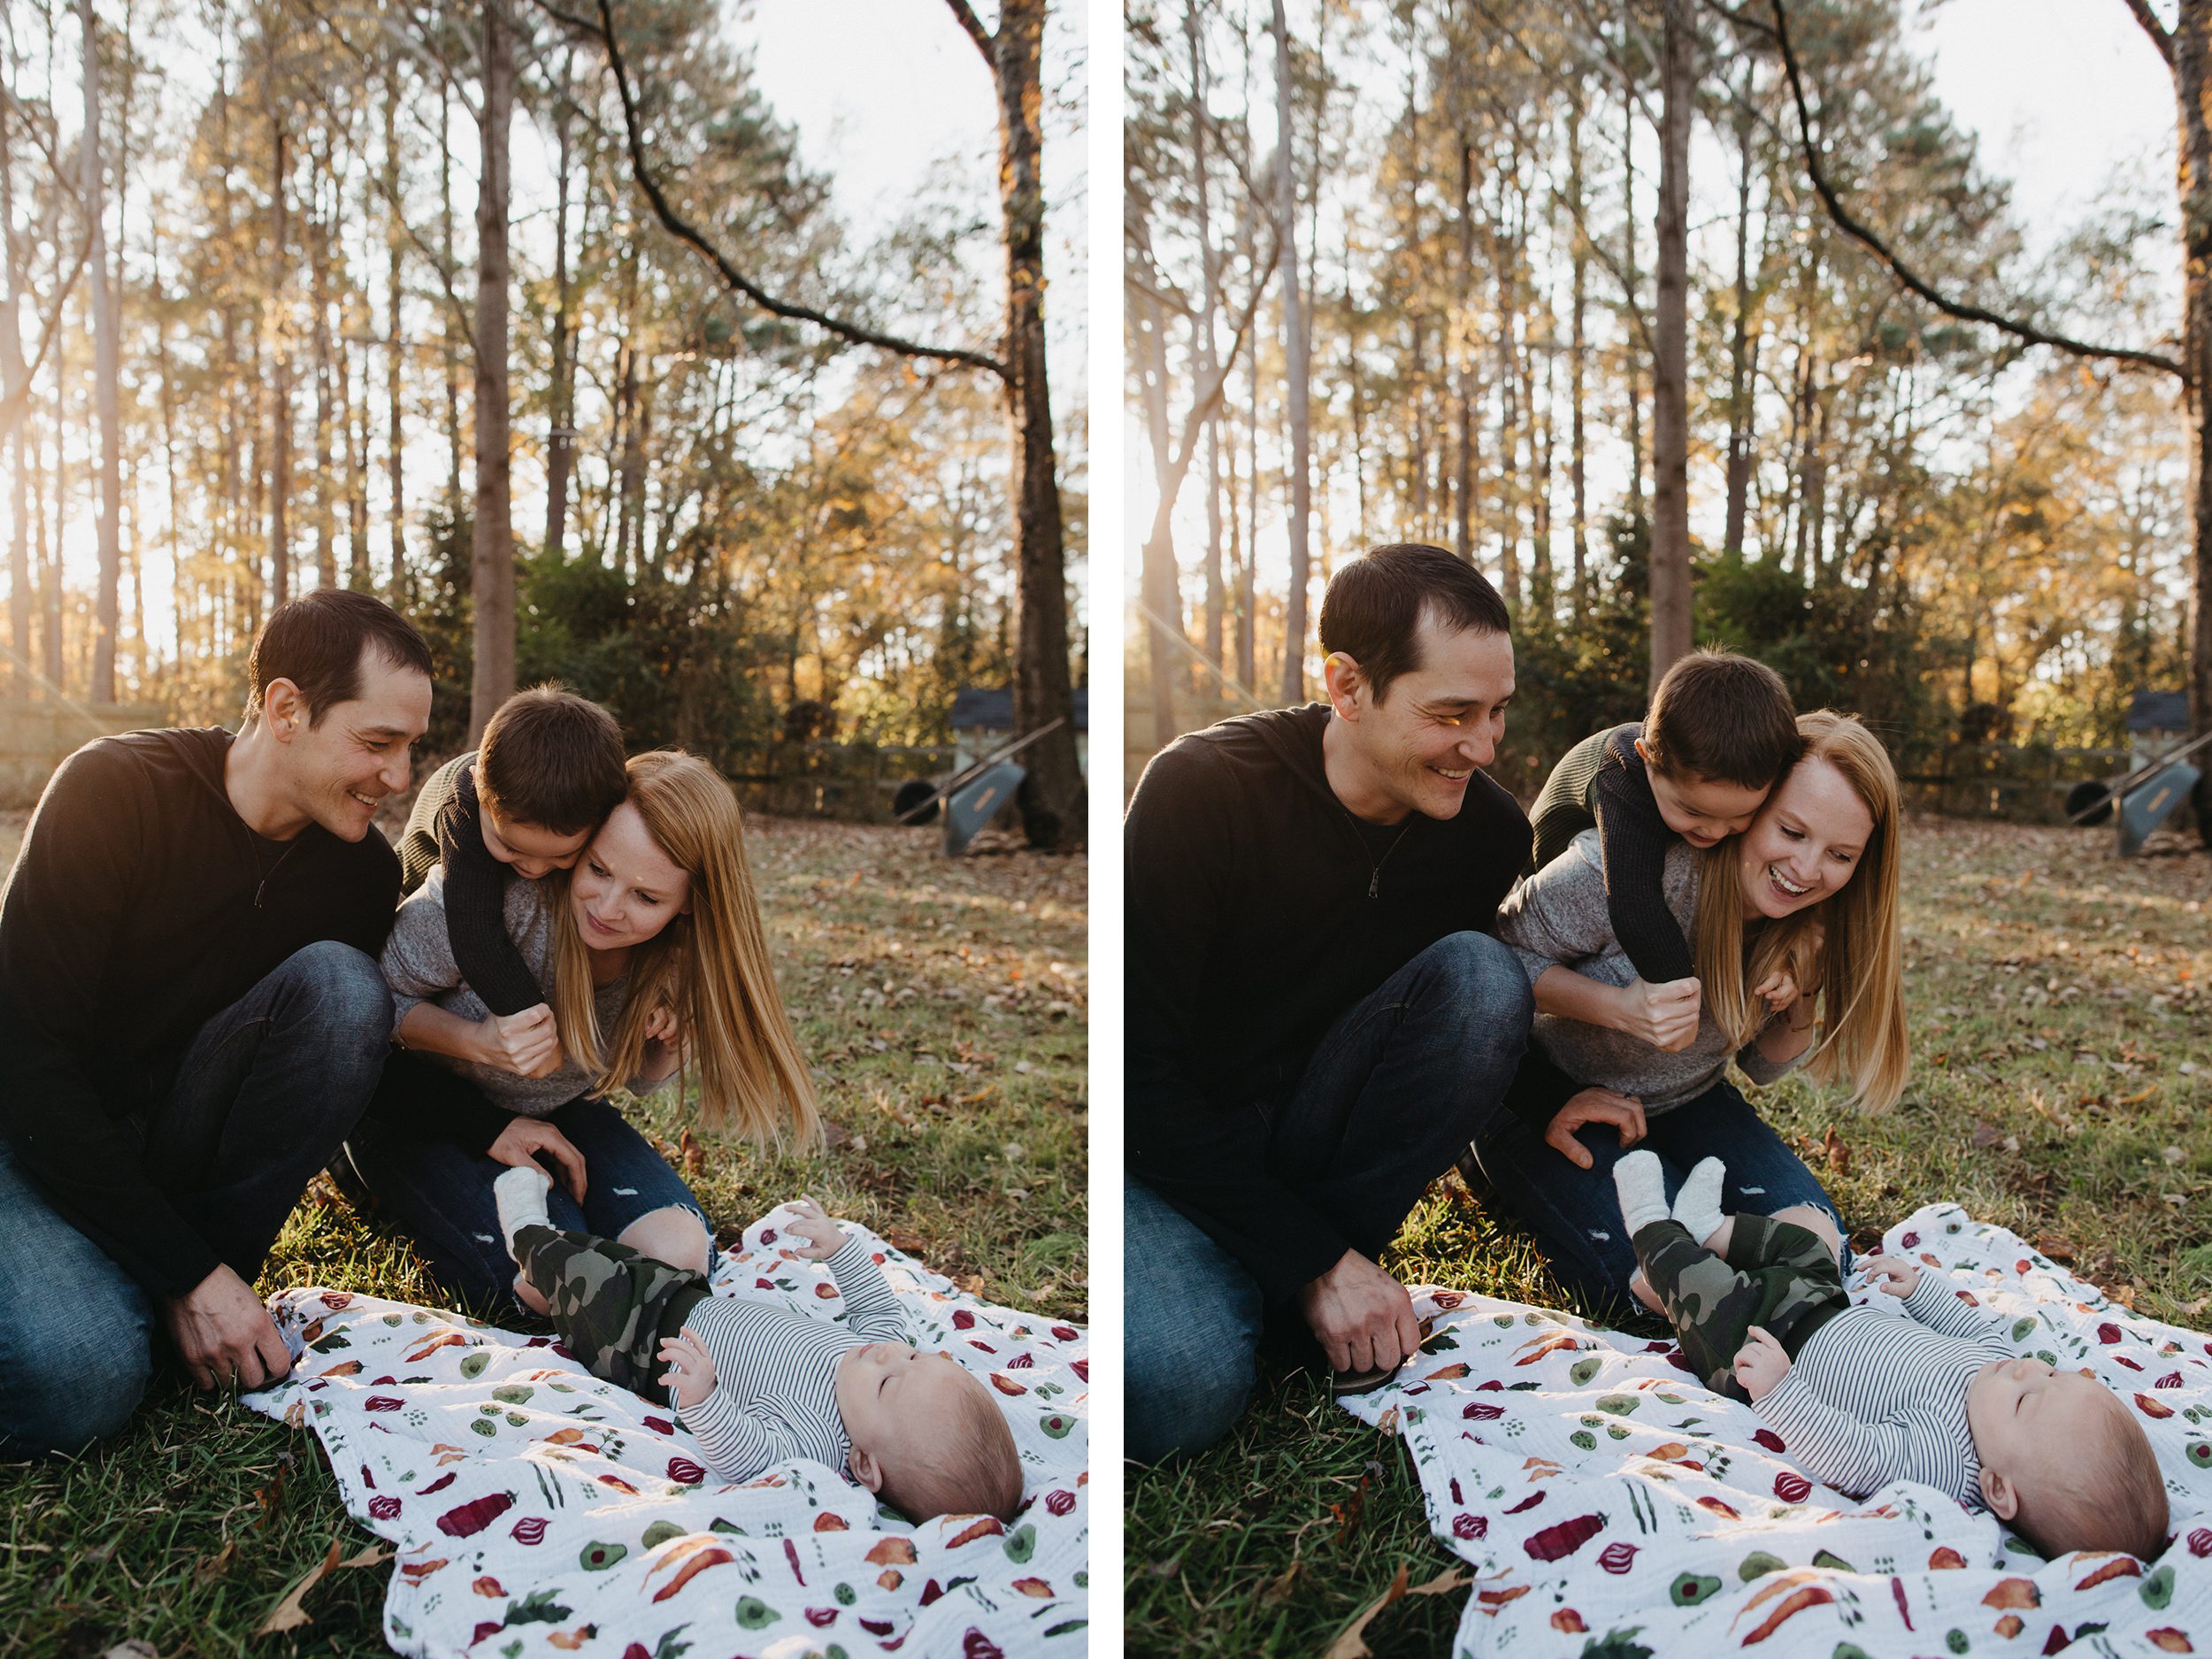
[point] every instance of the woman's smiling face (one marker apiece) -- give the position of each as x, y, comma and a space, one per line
1807, 841
625, 890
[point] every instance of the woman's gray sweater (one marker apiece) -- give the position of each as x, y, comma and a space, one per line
1557, 918
419, 962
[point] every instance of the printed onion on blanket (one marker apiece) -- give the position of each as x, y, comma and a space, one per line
1612, 1508
538, 1510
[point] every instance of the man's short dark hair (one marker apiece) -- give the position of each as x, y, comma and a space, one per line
1720, 716
316, 643
553, 759
1373, 607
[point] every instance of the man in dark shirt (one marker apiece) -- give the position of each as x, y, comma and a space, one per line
192, 1017
1318, 1021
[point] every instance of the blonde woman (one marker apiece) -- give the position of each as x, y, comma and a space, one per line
1794, 928
653, 953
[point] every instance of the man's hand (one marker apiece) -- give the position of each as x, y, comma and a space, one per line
1594, 1106
524, 1138
824, 1237
1363, 1317
1664, 1016
224, 1335
1760, 1365
527, 1044
690, 1374
1893, 1274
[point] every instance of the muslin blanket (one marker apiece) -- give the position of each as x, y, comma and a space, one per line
538, 1510
1611, 1506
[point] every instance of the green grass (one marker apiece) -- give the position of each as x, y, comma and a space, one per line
943, 1005
2062, 1087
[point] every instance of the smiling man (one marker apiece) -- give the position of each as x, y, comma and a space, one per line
193, 1016
1317, 1020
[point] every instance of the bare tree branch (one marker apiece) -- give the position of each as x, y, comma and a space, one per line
1866, 239
2161, 36
981, 35
678, 228
12, 405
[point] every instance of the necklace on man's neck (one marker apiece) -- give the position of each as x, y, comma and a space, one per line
1374, 876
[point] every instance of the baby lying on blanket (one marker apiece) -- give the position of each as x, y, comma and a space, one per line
758, 1384
1864, 1398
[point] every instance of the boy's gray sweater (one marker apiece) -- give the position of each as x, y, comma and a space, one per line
419, 962
1558, 917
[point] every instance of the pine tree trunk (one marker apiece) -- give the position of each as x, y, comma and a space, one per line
319, 286
1464, 472
280, 381
1740, 409
394, 404
493, 545
561, 441
1294, 350
2192, 58
1670, 596
14, 373
1629, 368
1578, 452
106, 355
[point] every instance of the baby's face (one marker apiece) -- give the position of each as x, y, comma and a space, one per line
2022, 1411
899, 1403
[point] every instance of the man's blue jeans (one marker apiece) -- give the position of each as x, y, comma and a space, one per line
1401, 1084
1576, 1213
267, 1090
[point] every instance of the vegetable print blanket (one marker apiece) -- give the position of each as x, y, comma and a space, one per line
1611, 1508
537, 1511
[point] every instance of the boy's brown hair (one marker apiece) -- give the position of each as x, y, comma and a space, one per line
552, 759
1723, 717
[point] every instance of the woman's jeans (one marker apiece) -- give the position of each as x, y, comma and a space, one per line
1390, 1099
440, 1194
1576, 1214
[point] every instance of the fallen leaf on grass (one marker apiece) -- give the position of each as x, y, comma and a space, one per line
132, 1649
289, 1614
368, 1556
1838, 1154
1348, 1512
1278, 1589
217, 1564
1985, 1137
1353, 1643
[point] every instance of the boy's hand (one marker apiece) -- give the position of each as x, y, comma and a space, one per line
1893, 1274
527, 1044
1760, 1365
1777, 989
823, 1235
1664, 1016
690, 1377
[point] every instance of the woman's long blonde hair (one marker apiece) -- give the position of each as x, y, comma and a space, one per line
1858, 971
709, 966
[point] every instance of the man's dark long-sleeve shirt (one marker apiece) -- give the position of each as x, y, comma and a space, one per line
1257, 913
445, 826
140, 906
1602, 783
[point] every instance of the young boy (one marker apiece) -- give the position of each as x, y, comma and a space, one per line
1864, 1398
1719, 734
759, 1386
548, 771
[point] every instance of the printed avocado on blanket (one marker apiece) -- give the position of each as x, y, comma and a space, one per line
1612, 1508
538, 1510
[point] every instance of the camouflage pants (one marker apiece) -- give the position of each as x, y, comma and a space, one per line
610, 1303
1776, 1275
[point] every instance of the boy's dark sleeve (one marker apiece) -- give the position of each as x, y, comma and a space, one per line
59, 918
476, 911
1632, 840
1539, 1089
424, 1099
1206, 1160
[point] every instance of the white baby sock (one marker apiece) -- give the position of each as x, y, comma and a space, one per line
1642, 1186
520, 1195
1697, 1206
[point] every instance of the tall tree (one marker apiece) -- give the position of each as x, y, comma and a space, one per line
1670, 596
106, 370
493, 547
1294, 352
